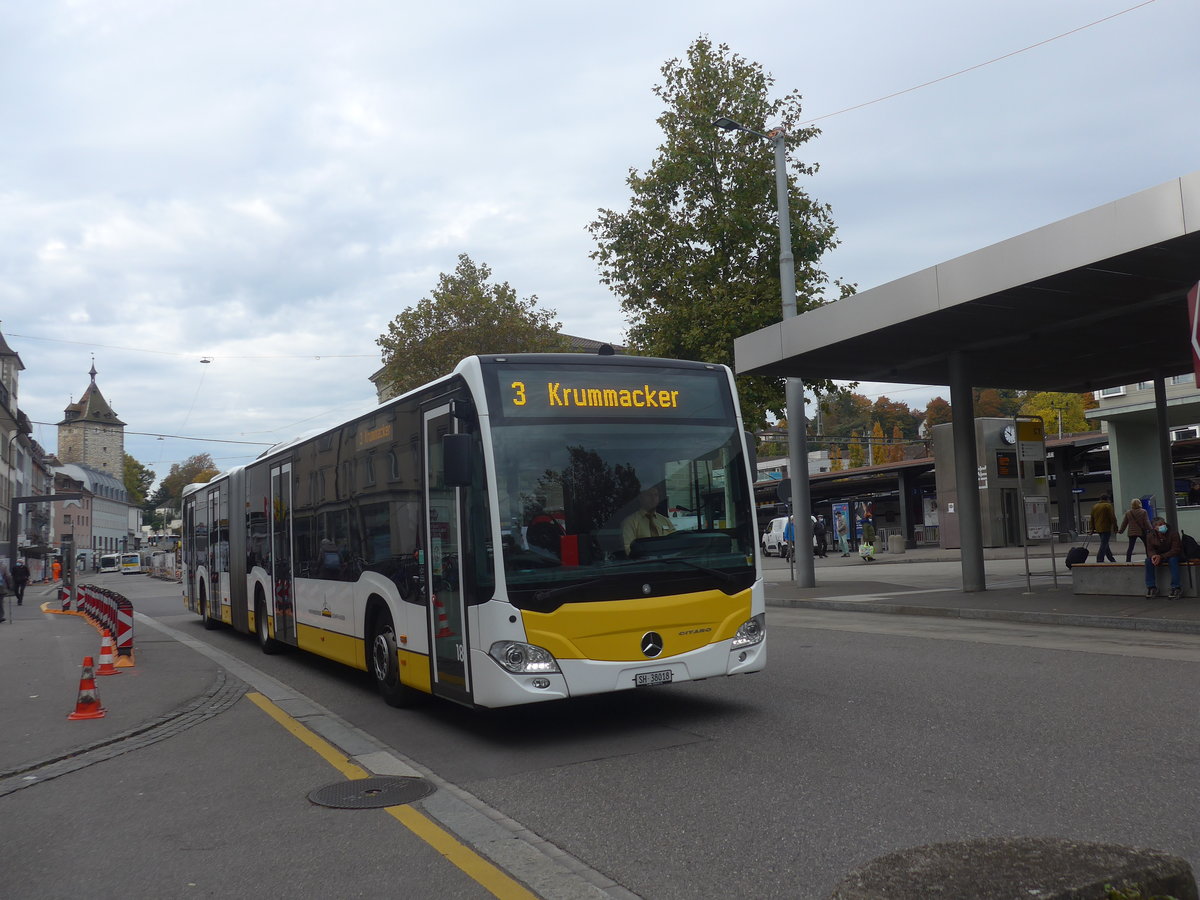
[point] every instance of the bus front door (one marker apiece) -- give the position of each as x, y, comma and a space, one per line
450, 675
283, 590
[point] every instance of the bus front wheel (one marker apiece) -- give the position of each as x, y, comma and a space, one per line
385, 664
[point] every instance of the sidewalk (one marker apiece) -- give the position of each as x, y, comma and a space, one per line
41, 658
891, 584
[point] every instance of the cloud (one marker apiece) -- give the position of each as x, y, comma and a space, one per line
268, 185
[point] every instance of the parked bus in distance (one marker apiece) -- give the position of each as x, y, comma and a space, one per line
110, 562
131, 564
503, 535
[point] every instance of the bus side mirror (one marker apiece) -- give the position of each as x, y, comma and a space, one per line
456, 460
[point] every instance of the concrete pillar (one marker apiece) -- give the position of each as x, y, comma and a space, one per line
962, 403
1166, 503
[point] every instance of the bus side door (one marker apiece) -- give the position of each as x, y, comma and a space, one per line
450, 675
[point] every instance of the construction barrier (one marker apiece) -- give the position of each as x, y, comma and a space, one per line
109, 610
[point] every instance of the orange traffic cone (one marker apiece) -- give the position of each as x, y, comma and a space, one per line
88, 705
106, 655
443, 620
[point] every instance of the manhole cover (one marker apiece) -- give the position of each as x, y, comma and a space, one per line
371, 793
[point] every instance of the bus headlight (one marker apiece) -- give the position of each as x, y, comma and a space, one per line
523, 659
752, 632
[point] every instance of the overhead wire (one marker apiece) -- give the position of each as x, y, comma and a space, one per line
1010, 54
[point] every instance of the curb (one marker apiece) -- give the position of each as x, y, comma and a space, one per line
1172, 626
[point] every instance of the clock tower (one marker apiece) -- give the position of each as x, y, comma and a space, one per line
90, 433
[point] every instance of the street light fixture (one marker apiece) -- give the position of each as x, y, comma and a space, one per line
805, 573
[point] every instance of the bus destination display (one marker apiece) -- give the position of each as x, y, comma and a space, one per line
652, 393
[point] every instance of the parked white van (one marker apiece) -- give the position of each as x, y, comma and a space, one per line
772, 538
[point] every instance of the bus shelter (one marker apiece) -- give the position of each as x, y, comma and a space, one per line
1094, 300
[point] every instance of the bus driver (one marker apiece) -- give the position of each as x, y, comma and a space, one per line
645, 521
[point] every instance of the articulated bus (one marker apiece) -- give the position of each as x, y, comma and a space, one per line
110, 562
528, 528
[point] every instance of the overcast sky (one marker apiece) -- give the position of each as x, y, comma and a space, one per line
267, 184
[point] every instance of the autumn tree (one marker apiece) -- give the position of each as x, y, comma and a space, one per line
137, 479
896, 448
892, 414
1051, 405
464, 315
844, 412
835, 458
937, 412
857, 454
877, 448
695, 257
195, 469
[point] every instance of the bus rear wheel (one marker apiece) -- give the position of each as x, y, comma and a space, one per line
210, 624
266, 643
385, 664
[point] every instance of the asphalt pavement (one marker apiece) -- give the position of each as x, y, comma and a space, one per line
228, 757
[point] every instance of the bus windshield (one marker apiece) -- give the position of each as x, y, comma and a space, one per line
593, 512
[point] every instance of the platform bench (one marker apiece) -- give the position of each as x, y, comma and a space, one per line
1122, 579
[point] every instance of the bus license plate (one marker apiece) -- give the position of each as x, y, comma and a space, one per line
646, 678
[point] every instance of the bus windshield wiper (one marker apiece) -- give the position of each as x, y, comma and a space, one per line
551, 593
724, 577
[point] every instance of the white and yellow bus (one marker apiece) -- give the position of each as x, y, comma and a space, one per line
480, 538
132, 564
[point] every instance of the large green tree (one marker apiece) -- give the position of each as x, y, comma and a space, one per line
695, 257
465, 314
137, 480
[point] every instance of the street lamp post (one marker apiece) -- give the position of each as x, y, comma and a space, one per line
805, 573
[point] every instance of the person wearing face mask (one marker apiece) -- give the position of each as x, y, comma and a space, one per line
1163, 545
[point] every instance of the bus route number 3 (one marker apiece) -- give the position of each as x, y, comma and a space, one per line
518, 393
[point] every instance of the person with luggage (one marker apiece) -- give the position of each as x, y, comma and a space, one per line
1138, 523
821, 536
867, 549
1104, 523
1163, 545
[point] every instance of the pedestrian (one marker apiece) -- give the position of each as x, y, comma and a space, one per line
55, 570
789, 537
1104, 523
820, 535
868, 541
843, 532
6, 584
1138, 523
20, 577
1162, 545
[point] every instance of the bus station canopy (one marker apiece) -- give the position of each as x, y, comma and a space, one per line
1092, 301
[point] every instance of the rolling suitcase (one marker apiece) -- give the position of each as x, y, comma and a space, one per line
1078, 555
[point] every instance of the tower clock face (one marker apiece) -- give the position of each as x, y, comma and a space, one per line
1010, 434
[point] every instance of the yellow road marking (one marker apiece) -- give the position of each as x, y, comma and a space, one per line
481, 870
